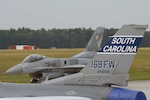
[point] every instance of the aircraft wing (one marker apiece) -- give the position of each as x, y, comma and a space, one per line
77, 66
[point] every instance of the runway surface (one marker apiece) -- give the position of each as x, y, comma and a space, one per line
143, 86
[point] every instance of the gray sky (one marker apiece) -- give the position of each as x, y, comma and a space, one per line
48, 14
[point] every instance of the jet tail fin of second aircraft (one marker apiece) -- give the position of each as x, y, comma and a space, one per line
96, 40
93, 45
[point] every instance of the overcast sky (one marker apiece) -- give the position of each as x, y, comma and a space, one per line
48, 14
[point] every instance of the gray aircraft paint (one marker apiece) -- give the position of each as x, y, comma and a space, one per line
42, 68
87, 83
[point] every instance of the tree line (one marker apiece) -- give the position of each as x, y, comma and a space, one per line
59, 38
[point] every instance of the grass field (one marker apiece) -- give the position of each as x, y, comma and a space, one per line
140, 69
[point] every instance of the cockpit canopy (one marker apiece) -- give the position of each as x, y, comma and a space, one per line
33, 58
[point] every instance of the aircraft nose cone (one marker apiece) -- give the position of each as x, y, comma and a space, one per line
15, 70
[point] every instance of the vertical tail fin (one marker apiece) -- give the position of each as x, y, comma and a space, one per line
111, 64
118, 53
96, 40
113, 61
93, 46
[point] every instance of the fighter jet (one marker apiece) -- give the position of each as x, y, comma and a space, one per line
96, 80
41, 68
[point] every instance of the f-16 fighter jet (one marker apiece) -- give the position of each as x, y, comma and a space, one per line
108, 67
41, 68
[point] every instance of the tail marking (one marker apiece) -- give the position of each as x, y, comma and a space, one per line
122, 44
99, 64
